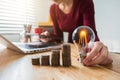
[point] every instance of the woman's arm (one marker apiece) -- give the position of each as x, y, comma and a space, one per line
53, 14
99, 53
88, 16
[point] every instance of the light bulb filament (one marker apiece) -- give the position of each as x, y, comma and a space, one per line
82, 38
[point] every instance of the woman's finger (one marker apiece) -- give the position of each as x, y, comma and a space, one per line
100, 57
95, 50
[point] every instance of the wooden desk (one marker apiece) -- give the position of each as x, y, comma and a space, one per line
15, 66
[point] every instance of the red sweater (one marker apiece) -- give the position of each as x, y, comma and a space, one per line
82, 13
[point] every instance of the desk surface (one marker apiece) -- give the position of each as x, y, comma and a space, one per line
14, 66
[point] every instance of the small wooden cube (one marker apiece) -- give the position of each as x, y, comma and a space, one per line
45, 60
35, 61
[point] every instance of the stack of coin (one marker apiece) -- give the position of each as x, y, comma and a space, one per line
66, 55
45, 60
35, 60
55, 58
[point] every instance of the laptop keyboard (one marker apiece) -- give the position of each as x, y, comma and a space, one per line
37, 45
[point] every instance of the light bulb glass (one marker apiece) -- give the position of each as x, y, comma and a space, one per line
82, 37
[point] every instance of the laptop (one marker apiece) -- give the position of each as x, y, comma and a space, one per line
26, 48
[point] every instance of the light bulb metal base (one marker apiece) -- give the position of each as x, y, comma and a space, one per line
82, 56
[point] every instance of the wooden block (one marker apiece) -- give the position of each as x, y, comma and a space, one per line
45, 60
55, 58
66, 48
66, 55
35, 61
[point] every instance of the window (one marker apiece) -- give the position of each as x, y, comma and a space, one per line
14, 14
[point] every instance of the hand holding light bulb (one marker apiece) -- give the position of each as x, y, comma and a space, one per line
90, 52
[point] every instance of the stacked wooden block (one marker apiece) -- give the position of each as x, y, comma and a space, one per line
55, 58
45, 60
66, 55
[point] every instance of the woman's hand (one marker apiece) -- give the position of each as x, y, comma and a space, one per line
46, 38
98, 55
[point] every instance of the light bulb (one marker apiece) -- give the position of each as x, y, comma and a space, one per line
83, 38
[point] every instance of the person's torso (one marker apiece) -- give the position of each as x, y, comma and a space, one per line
68, 22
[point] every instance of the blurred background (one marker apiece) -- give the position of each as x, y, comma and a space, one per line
15, 13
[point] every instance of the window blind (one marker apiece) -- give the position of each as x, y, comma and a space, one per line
15, 13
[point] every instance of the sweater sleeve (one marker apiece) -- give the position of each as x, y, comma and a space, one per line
88, 17
57, 32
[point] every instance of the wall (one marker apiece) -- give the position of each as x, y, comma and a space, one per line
42, 11
108, 22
